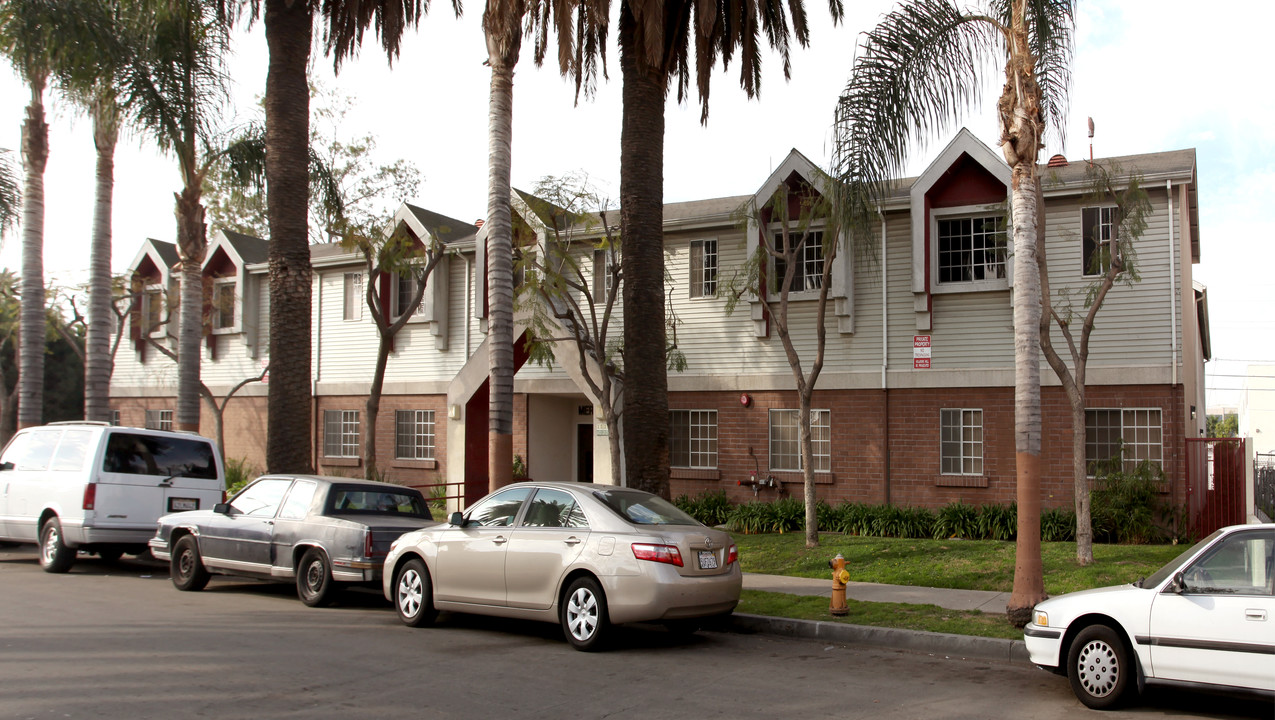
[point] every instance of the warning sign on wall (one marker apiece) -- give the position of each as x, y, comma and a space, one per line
921, 352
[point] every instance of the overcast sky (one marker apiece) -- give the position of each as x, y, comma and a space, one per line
1154, 74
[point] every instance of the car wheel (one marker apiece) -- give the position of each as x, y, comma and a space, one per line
187, 568
584, 615
414, 594
315, 586
1099, 667
55, 556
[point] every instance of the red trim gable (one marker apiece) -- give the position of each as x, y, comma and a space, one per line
966, 182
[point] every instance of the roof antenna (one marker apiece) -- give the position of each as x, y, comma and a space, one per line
1091, 141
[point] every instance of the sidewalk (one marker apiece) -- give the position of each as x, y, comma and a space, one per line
986, 601
948, 645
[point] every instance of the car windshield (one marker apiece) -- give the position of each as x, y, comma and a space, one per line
355, 499
1172, 566
643, 508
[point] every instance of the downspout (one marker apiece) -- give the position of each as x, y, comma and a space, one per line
885, 353
469, 289
315, 428
1173, 288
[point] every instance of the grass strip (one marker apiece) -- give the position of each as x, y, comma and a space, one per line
931, 618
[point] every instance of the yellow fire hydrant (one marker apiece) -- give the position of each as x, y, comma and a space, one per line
840, 576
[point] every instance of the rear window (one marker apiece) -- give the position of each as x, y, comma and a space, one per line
643, 508
374, 501
136, 454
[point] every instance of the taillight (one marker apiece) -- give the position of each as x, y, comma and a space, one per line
733, 555
90, 496
658, 553
367, 544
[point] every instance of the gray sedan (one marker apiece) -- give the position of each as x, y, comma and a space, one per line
586, 556
318, 531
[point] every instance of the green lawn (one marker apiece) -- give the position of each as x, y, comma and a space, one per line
961, 564
931, 618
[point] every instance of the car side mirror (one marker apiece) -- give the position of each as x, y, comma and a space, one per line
6, 466
1178, 584
457, 519
222, 508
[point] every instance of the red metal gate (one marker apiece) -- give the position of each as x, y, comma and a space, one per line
1215, 480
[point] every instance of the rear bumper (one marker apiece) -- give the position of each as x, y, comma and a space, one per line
80, 535
661, 593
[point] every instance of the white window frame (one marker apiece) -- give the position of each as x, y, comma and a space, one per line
352, 296
603, 260
152, 311
970, 212
700, 440
159, 419
703, 268
820, 440
218, 312
811, 261
1107, 227
1141, 435
961, 441
115, 418
341, 433
415, 431
397, 282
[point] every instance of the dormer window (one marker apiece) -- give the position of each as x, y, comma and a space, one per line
405, 287
223, 304
970, 251
808, 275
152, 310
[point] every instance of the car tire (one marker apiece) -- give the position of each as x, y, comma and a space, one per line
55, 556
583, 613
187, 567
315, 585
414, 594
1099, 667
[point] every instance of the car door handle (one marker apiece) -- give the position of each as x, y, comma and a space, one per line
1255, 614
499, 540
573, 540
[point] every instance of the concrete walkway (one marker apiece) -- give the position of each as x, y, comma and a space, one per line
986, 601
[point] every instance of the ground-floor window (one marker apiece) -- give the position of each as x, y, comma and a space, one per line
785, 440
341, 433
414, 434
961, 444
159, 419
693, 438
1137, 430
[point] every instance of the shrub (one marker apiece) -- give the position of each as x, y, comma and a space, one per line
710, 508
238, 474
998, 522
1125, 505
749, 518
1058, 525
956, 520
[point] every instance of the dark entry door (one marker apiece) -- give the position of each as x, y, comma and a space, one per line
584, 453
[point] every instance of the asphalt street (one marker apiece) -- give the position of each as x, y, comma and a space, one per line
116, 640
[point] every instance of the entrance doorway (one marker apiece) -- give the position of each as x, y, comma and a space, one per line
584, 453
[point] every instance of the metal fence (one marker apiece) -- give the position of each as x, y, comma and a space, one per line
1264, 486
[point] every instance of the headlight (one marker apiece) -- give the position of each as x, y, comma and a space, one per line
1042, 618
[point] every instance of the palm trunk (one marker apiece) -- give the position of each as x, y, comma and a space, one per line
646, 422
288, 29
35, 154
192, 244
97, 352
502, 55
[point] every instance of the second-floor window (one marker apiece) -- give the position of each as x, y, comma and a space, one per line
971, 249
603, 262
693, 438
341, 433
1098, 226
152, 309
223, 305
352, 307
785, 440
961, 442
809, 271
414, 434
405, 287
703, 268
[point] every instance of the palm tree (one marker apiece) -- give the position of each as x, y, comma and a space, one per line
289, 28
919, 70
10, 194
654, 49
173, 83
27, 40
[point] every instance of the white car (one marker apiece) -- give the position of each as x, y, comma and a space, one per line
1206, 619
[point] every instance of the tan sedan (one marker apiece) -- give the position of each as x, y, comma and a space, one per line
586, 556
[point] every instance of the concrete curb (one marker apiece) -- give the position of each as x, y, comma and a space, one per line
959, 646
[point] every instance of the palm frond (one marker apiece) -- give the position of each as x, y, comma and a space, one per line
10, 193
345, 22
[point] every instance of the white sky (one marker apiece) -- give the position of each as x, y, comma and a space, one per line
1154, 74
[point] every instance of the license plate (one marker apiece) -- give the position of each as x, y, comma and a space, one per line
180, 504
707, 560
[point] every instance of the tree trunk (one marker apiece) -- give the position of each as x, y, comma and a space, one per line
808, 471
288, 441
370, 470
646, 422
192, 245
500, 283
35, 155
97, 341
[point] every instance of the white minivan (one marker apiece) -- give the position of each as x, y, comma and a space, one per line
100, 488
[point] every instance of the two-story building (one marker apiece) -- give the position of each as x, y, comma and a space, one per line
915, 405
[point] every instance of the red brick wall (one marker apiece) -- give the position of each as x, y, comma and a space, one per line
404, 472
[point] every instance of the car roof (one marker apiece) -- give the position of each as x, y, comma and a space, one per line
335, 480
